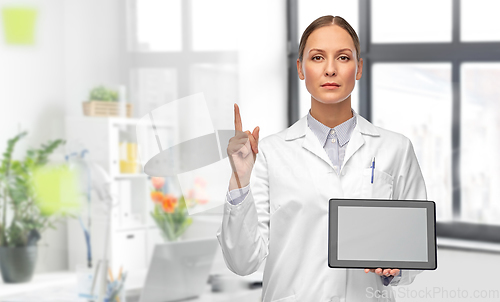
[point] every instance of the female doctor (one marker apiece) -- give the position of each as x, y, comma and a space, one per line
277, 204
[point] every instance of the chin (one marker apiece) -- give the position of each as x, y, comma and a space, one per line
330, 100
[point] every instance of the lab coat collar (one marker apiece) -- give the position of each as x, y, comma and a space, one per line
299, 129
365, 127
311, 143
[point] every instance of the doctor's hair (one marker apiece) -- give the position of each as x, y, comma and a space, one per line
326, 21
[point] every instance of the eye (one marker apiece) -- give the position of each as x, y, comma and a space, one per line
344, 58
317, 58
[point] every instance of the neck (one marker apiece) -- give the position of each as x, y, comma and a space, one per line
331, 115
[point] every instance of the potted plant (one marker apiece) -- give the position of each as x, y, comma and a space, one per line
21, 220
104, 102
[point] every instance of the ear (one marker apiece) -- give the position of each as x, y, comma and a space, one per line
299, 70
360, 69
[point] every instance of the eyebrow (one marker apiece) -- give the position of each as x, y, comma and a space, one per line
321, 50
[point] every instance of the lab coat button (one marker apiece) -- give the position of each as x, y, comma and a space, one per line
335, 299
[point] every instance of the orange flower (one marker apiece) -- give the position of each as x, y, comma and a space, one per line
157, 196
168, 203
158, 182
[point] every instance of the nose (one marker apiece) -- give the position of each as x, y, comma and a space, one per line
330, 70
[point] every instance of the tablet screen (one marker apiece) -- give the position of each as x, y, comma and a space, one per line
382, 234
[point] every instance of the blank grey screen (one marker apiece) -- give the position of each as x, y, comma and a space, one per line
382, 233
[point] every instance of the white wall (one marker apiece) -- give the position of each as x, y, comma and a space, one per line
90, 49
32, 80
32, 99
75, 49
90, 38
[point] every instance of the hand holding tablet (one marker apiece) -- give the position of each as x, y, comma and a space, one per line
383, 272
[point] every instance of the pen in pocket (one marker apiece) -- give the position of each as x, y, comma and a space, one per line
373, 167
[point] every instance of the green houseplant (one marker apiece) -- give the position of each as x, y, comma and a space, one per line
101, 93
21, 221
106, 102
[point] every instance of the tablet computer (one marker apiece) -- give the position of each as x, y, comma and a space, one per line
369, 233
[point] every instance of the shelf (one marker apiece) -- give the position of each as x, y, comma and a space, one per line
131, 228
102, 136
131, 175
112, 119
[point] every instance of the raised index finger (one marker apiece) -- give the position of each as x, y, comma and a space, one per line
237, 118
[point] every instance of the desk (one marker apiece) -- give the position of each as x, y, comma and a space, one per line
208, 296
61, 287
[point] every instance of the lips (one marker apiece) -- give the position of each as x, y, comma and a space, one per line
332, 84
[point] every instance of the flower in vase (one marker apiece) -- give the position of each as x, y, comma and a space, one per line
157, 196
158, 182
169, 213
169, 203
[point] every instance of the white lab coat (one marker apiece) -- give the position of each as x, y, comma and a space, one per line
284, 218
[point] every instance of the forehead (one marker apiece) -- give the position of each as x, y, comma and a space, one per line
331, 37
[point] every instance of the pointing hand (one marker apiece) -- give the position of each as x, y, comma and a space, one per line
242, 151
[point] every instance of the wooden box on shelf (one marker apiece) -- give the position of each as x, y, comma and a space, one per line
100, 108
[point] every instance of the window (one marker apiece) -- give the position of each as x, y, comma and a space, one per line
480, 149
479, 20
402, 95
428, 74
176, 48
181, 47
396, 21
455, 135
153, 86
169, 41
217, 30
158, 26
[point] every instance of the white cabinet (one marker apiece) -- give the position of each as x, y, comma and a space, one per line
130, 249
132, 231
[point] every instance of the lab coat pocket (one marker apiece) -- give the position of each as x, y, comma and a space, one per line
287, 299
380, 188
